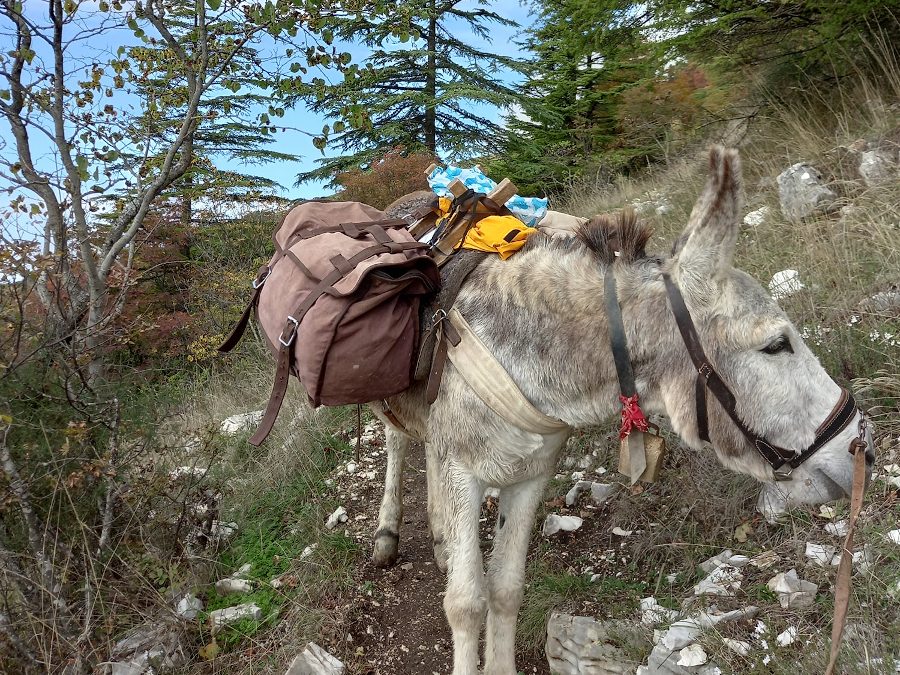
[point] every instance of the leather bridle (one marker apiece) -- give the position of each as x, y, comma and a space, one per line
782, 460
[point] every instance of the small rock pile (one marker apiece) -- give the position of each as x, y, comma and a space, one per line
578, 645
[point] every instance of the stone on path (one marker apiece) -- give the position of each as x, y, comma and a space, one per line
793, 592
339, 516
315, 661
581, 645
188, 607
152, 647
233, 585
237, 423
556, 523
877, 166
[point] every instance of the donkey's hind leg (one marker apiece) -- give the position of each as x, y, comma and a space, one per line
387, 536
506, 572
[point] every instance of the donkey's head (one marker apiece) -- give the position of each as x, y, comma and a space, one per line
782, 396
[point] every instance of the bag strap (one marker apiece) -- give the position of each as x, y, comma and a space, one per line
237, 331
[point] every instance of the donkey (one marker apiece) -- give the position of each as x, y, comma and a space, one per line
540, 313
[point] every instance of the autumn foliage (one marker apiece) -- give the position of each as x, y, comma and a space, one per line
393, 175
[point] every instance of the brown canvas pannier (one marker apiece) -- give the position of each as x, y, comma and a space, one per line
338, 304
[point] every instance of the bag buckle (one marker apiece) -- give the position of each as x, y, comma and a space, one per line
293, 334
261, 279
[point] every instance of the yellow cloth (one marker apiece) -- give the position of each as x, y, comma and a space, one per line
491, 232
503, 235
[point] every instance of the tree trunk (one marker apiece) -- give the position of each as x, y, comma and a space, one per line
431, 82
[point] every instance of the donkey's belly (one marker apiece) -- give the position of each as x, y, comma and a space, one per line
516, 456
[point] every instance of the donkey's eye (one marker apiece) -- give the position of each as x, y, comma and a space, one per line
779, 344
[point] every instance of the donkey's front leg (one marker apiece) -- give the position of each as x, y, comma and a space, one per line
436, 516
506, 571
387, 536
464, 601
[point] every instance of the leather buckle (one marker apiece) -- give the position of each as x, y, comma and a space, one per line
705, 370
438, 317
293, 334
783, 473
261, 279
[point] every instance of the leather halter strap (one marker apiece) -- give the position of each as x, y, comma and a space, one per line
707, 378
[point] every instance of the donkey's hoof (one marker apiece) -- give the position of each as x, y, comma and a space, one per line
385, 551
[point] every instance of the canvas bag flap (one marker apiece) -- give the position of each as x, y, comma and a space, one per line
288, 286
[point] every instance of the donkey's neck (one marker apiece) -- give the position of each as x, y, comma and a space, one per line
542, 314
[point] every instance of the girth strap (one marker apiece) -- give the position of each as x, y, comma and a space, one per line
489, 380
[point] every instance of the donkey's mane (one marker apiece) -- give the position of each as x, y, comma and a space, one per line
620, 235
607, 236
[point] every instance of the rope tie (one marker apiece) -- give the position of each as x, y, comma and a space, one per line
632, 416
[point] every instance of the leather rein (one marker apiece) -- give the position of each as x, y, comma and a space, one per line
782, 460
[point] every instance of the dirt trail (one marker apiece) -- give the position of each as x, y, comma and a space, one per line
395, 622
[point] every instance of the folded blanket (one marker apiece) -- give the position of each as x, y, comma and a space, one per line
527, 209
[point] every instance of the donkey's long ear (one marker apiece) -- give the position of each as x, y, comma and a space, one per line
707, 243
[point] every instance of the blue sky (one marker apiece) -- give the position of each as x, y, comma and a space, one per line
503, 42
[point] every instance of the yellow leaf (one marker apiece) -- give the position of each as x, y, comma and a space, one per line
5, 419
210, 651
742, 531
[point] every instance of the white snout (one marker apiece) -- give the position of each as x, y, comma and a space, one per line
828, 475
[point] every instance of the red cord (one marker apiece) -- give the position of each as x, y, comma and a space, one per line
632, 416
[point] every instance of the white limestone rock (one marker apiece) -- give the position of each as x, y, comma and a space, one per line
220, 618
877, 166
315, 661
233, 585
575, 492
802, 193
739, 647
793, 592
653, 614
839, 528
149, 648
822, 554
722, 581
663, 661
757, 217
556, 523
787, 637
222, 533
603, 492
785, 284
581, 645
772, 504
237, 423
726, 557
189, 607
692, 655
339, 516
